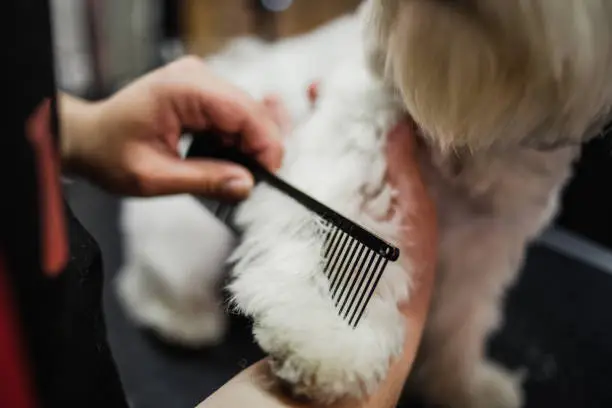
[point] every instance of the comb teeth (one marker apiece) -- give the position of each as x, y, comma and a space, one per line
222, 211
225, 212
353, 270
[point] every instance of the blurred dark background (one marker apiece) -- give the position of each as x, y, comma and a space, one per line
559, 317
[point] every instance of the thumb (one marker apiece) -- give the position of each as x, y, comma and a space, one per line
207, 178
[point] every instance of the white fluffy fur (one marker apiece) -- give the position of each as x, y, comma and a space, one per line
493, 85
278, 273
193, 244
174, 257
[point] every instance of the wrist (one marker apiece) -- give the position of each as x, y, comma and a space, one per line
79, 124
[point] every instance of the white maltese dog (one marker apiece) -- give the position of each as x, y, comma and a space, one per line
503, 93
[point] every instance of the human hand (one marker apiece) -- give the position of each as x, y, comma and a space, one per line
128, 143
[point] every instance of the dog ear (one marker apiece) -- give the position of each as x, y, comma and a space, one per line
485, 72
449, 70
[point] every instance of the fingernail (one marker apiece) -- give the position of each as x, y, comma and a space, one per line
238, 186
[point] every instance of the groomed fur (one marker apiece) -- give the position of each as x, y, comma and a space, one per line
504, 91
502, 73
278, 278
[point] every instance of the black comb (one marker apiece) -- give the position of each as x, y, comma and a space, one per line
348, 249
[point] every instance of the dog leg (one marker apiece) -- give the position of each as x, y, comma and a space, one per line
478, 262
337, 157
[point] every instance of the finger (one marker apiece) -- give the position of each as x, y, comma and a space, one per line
278, 112
167, 175
232, 111
225, 108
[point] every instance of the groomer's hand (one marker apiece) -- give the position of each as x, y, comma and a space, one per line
128, 143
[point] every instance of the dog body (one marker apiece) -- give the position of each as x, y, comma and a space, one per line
502, 109
490, 207
504, 92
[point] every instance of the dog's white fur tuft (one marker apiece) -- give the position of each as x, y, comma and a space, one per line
278, 270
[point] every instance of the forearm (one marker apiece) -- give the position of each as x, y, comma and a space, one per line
78, 121
258, 388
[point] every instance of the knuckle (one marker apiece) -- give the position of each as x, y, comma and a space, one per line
142, 184
215, 189
188, 63
208, 186
236, 100
191, 61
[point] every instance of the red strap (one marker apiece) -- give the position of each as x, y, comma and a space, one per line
15, 387
54, 236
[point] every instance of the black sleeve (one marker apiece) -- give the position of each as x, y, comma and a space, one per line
60, 317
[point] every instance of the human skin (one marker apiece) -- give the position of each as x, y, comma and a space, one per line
127, 143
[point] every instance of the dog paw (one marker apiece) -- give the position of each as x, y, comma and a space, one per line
280, 268
496, 387
329, 365
279, 282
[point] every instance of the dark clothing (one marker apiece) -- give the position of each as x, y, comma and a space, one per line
51, 326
